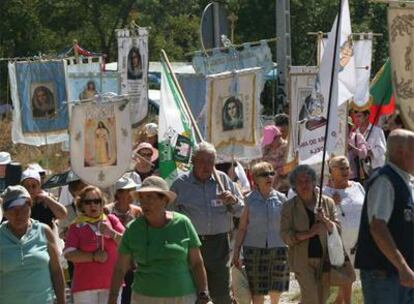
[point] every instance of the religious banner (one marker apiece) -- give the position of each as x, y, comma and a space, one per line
100, 141
231, 101
301, 82
133, 69
38, 92
363, 58
86, 79
401, 35
248, 57
332, 88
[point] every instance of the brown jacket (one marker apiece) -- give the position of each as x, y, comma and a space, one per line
295, 219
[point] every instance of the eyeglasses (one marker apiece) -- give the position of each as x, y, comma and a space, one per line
267, 174
96, 201
149, 155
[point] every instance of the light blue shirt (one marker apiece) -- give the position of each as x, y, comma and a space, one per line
199, 202
24, 267
264, 220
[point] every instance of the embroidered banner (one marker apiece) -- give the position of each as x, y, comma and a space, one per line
232, 100
133, 69
248, 57
38, 91
100, 141
401, 35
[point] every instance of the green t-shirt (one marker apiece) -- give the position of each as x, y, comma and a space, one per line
162, 256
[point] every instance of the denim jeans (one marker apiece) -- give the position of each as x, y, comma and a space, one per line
379, 288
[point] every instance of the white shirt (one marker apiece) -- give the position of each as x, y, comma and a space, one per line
377, 144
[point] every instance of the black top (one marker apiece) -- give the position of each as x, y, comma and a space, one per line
43, 214
315, 246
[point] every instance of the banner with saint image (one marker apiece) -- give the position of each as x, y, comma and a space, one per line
38, 92
133, 69
100, 141
232, 106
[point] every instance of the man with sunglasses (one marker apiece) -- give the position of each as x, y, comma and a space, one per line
210, 210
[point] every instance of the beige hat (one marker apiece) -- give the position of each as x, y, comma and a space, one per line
155, 184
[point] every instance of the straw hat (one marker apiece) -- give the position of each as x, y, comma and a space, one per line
155, 184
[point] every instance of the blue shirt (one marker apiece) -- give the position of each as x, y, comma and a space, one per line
24, 267
198, 200
264, 220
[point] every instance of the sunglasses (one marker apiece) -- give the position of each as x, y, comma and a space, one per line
149, 155
267, 174
96, 201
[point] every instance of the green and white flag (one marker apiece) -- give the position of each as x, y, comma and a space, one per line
175, 134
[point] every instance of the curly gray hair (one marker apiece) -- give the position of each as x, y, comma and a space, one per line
204, 147
301, 169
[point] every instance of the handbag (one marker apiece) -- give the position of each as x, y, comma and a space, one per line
342, 275
335, 248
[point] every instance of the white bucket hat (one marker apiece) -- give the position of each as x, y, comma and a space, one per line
5, 158
125, 183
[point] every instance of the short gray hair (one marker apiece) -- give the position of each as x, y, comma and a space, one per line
204, 147
308, 170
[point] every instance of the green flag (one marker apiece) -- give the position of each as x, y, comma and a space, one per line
175, 135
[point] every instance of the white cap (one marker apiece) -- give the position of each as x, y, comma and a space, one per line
30, 173
5, 158
125, 183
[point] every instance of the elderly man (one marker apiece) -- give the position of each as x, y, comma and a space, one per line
210, 210
385, 248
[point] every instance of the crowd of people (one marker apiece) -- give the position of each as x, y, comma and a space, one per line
142, 241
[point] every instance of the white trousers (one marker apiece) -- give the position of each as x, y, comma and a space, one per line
97, 296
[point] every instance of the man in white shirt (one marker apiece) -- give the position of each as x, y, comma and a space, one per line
374, 136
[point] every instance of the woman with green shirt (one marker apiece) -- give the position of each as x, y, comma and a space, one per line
165, 247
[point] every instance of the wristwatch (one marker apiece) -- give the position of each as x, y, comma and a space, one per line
203, 295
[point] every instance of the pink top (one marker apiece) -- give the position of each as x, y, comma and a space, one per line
92, 275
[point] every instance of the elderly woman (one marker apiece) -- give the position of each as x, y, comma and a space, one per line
124, 209
29, 265
44, 208
349, 198
91, 245
165, 246
304, 228
264, 253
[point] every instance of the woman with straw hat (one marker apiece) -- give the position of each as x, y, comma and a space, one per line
165, 246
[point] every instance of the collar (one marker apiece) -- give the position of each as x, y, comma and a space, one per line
407, 177
194, 180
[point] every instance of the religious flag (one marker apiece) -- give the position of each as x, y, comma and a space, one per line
175, 134
336, 89
382, 98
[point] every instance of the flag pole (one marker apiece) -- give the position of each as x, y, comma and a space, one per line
334, 61
189, 113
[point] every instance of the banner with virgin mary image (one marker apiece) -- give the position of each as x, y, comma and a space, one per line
232, 100
133, 69
100, 141
38, 92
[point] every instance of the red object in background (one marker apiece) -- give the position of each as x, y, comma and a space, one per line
376, 111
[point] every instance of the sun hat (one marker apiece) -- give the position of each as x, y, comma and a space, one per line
5, 158
125, 183
269, 134
155, 184
151, 129
14, 196
145, 145
30, 173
